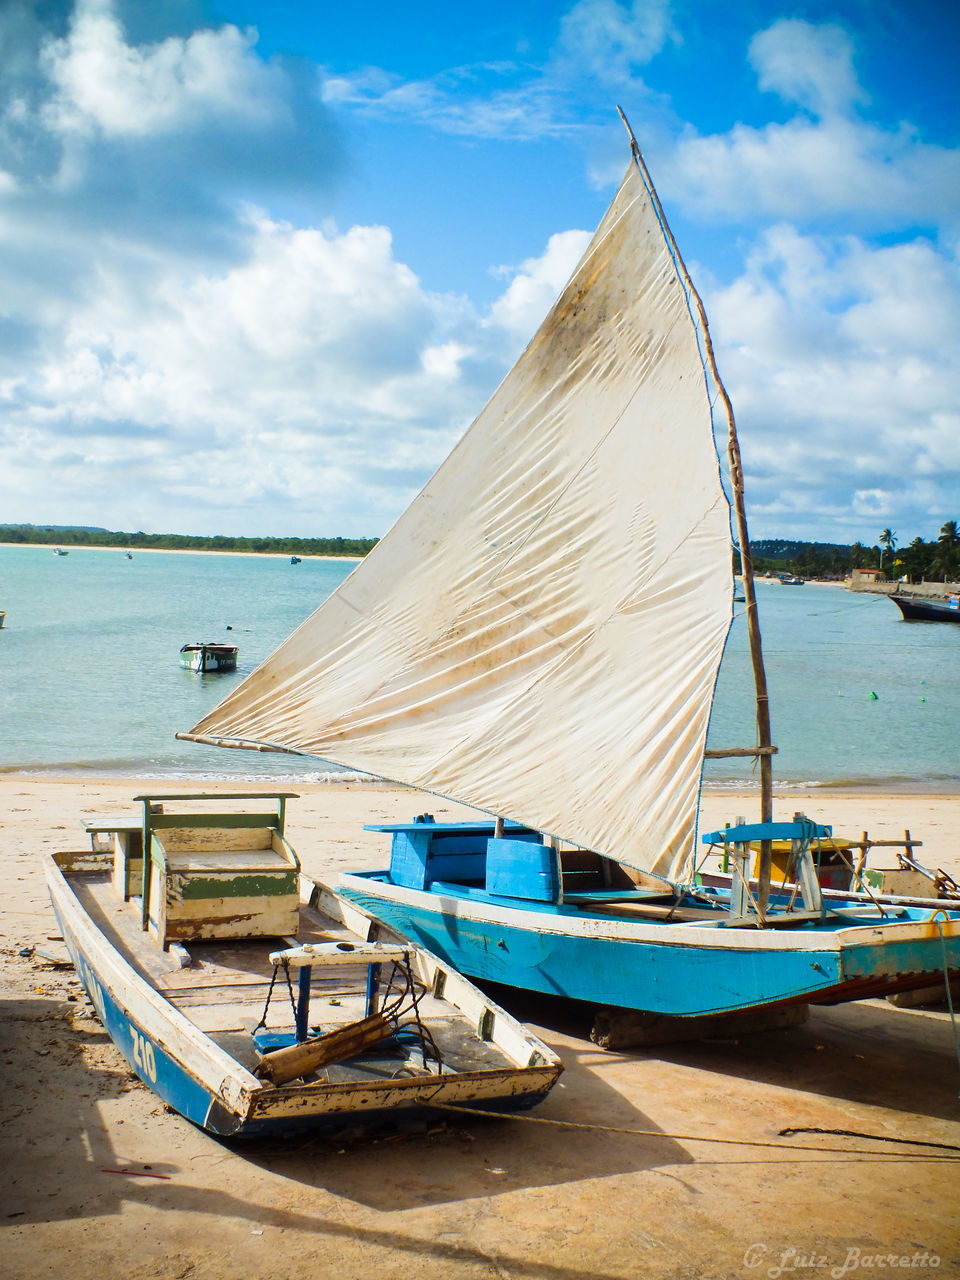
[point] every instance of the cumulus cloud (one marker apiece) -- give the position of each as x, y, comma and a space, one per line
284, 373
612, 40
101, 83
837, 358
807, 64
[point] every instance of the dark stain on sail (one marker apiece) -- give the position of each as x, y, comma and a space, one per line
595, 300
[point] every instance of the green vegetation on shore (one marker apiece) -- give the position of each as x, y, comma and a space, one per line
937, 560
934, 561
71, 536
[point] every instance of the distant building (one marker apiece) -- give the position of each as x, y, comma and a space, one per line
867, 576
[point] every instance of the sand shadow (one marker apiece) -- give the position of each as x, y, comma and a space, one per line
67, 1167
866, 1052
454, 1156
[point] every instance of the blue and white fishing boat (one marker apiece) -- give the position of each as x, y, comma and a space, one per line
538, 637
253, 1000
205, 658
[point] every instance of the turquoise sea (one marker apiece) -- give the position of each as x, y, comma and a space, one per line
90, 682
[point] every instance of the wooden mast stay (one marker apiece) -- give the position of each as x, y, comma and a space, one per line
764, 749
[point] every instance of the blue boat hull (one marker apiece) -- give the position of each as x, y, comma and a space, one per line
670, 969
158, 1070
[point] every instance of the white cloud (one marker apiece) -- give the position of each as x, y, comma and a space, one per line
872, 178
536, 286
597, 41
492, 100
102, 83
317, 369
611, 40
845, 388
807, 64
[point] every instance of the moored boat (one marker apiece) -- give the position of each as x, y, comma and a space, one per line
204, 658
200, 999
917, 608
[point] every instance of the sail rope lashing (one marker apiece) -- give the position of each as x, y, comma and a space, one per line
625, 1131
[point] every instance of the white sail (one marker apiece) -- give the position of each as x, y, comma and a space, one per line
539, 634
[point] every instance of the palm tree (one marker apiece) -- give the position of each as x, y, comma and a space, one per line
949, 547
888, 539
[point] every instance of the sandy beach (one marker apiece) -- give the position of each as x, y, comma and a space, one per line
102, 1180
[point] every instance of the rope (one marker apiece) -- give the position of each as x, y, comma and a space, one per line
293, 1004
729, 1142
873, 1137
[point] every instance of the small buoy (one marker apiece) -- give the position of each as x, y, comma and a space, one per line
229, 628
923, 699
873, 696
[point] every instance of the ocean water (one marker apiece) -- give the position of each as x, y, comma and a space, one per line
90, 682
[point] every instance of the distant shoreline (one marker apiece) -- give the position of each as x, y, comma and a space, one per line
188, 551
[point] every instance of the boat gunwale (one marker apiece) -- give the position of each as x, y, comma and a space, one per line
207, 1056
838, 938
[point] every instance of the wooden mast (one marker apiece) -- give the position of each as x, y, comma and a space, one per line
765, 749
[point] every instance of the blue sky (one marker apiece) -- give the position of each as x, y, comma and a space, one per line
262, 263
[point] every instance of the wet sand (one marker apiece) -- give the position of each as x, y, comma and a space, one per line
497, 1198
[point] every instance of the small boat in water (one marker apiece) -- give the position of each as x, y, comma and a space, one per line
59, 551
790, 580
253, 1000
205, 658
295, 560
916, 608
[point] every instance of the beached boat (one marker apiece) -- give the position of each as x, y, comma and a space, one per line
916, 608
204, 658
539, 637
790, 580
252, 1000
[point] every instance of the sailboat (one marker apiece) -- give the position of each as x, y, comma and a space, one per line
538, 637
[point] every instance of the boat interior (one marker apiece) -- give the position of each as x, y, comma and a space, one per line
492, 862
251, 989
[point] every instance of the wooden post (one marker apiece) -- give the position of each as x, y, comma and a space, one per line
861, 862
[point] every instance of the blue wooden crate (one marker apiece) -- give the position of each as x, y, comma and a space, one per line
521, 869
